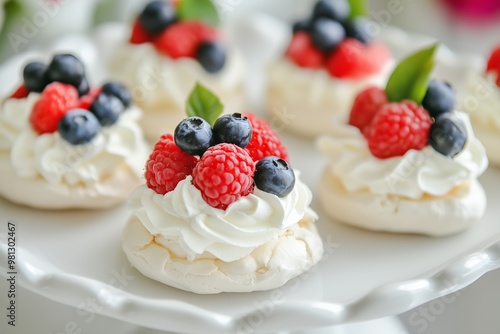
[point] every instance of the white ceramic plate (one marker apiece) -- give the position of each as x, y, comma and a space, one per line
75, 258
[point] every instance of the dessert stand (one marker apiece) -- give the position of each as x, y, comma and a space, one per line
74, 257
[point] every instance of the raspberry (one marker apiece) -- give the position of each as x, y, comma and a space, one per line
353, 59
265, 141
20, 93
87, 100
224, 174
57, 99
397, 128
182, 39
167, 165
494, 63
366, 105
139, 35
303, 52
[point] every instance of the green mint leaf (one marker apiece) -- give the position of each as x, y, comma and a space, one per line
198, 10
410, 78
203, 103
358, 8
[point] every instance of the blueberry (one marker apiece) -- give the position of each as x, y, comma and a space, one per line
337, 10
66, 68
107, 108
440, 98
193, 135
35, 77
212, 56
448, 134
303, 25
234, 129
359, 29
327, 34
78, 126
274, 175
83, 88
120, 91
156, 16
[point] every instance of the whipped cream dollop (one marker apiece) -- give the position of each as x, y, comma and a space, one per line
323, 99
481, 100
203, 231
413, 175
161, 83
50, 157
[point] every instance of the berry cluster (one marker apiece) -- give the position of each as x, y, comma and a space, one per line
63, 68
331, 39
159, 24
393, 128
77, 114
226, 160
493, 65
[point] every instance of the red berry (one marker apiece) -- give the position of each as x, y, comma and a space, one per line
87, 100
397, 128
224, 174
167, 165
57, 99
353, 59
182, 39
20, 93
494, 63
139, 35
303, 52
366, 105
265, 140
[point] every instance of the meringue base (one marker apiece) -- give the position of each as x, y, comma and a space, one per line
38, 193
269, 266
490, 139
433, 216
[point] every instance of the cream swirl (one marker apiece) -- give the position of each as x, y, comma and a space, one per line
229, 234
414, 175
481, 100
50, 157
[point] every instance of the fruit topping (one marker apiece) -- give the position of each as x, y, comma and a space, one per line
168, 165
78, 126
265, 141
273, 175
66, 68
212, 56
397, 128
366, 106
107, 109
224, 174
326, 34
182, 39
156, 16
35, 77
359, 29
493, 65
234, 129
448, 134
57, 99
439, 98
304, 53
337, 10
193, 135
353, 59
118, 90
